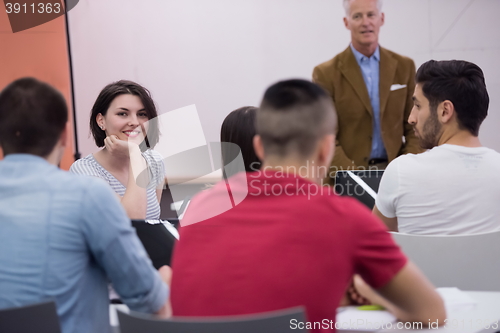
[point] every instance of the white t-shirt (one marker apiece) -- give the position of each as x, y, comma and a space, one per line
446, 190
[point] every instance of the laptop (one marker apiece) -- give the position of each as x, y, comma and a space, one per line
360, 184
158, 238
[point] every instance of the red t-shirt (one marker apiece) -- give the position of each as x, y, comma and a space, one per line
289, 242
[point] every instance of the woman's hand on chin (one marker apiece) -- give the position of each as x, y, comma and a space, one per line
119, 148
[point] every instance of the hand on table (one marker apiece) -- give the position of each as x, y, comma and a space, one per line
353, 296
166, 275
368, 293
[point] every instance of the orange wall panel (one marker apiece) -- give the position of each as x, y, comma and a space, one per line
40, 52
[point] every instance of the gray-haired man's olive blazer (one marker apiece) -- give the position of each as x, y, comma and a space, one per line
342, 78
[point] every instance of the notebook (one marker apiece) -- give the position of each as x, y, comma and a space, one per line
158, 238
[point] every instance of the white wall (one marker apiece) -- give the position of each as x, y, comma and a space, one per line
222, 54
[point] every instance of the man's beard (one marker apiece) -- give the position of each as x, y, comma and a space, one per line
429, 138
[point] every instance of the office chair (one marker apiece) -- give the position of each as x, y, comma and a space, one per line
35, 318
468, 262
268, 322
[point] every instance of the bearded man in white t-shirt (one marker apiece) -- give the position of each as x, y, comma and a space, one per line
454, 187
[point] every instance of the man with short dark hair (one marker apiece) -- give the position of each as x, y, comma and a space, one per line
371, 88
62, 235
454, 188
290, 241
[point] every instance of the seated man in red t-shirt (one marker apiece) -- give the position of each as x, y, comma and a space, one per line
276, 238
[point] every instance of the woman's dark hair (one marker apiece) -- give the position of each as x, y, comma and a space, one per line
239, 128
108, 94
33, 115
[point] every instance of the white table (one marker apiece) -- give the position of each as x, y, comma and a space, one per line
485, 312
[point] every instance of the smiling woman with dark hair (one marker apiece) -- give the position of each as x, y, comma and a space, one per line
123, 120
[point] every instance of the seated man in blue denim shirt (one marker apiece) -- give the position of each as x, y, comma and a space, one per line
63, 235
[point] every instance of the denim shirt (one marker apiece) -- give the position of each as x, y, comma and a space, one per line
62, 236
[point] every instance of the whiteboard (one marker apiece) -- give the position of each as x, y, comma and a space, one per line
222, 54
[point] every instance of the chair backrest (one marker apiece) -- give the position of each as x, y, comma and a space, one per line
268, 322
36, 318
468, 262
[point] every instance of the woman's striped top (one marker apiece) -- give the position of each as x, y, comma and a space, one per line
89, 166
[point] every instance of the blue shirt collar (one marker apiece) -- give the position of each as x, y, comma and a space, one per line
21, 157
358, 55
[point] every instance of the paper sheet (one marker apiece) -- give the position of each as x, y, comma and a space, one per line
456, 300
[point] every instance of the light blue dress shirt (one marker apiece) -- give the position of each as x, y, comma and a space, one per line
61, 237
371, 74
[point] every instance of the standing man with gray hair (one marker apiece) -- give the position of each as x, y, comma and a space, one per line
372, 90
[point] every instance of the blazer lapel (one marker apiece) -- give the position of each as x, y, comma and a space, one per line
349, 67
388, 67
